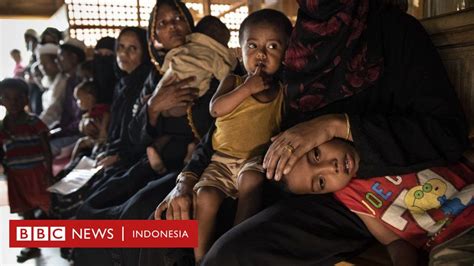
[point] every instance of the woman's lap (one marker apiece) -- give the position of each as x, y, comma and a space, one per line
144, 202
306, 230
139, 206
116, 190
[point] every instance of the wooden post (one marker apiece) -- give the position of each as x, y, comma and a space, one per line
206, 4
254, 5
138, 13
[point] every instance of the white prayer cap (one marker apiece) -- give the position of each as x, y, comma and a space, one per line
75, 46
47, 48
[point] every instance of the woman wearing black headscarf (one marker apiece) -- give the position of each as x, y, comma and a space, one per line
363, 72
134, 66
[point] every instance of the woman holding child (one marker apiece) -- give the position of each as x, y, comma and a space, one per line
357, 70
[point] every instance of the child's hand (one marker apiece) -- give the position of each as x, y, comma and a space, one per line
255, 82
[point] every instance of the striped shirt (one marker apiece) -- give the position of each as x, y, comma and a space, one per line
21, 144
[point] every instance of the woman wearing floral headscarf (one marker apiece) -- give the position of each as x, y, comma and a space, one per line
360, 71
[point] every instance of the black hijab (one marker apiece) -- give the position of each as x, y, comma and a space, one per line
331, 54
142, 38
104, 71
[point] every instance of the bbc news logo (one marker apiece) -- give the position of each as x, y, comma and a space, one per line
103, 233
40, 233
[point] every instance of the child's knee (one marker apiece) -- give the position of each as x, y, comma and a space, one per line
209, 198
250, 180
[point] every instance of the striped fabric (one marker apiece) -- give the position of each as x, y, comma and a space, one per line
22, 144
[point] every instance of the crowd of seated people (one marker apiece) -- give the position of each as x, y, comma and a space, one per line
319, 139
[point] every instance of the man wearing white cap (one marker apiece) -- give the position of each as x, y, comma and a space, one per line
54, 82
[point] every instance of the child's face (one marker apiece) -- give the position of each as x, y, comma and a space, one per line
84, 100
16, 57
325, 169
262, 44
14, 101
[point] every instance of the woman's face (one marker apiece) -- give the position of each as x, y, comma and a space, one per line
171, 28
325, 169
129, 52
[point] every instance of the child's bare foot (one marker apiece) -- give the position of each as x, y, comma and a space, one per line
189, 153
155, 160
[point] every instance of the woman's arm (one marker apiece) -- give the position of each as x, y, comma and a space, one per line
145, 125
171, 93
179, 204
401, 252
290, 145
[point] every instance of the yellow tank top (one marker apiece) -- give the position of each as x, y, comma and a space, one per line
246, 131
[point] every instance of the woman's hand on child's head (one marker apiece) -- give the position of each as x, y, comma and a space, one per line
256, 82
172, 93
290, 145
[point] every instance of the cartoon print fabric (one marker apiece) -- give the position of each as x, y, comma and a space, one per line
424, 208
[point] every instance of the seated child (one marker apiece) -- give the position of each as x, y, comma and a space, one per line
204, 56
25, 155
404, 212
99, 114
248, 113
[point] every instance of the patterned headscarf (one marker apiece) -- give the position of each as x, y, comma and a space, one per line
158, 56
328, 57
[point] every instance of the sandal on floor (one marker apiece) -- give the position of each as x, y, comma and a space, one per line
28, 253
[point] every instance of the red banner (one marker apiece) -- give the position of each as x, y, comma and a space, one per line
104, 233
